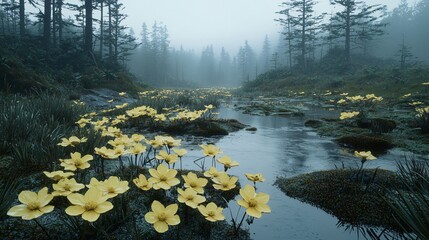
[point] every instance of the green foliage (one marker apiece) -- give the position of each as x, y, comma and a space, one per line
33, 126
422, 120
412, 206
25, 65
8, 191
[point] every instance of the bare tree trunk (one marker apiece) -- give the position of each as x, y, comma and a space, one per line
88, 26
22, 18
289, 41
303, 50
54, 24
101, 27
347, 43
60, 20
110, 31
47, 24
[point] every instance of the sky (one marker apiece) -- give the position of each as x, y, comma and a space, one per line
195, 24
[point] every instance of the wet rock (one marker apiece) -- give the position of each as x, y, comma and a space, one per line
377, 125
313, 123
365, 142
251, 129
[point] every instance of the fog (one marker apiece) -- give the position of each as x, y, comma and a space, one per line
211, 43
194, 24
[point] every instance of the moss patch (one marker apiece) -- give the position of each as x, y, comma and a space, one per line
338, 193
365, 142
205, 128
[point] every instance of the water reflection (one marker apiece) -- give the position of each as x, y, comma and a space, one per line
371, 233
284, 147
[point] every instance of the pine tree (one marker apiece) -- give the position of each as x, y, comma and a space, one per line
265, 58
300, 17
356, 21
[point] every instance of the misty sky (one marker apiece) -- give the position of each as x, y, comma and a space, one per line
197, 23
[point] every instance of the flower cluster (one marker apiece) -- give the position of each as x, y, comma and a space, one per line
348, 115
155, 161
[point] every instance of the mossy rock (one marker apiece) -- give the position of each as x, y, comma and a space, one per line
206, 128
378, 125
313, 123
339, 193
365, 142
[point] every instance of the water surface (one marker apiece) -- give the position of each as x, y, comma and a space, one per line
285, 147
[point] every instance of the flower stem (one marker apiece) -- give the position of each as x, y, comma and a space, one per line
44, 230
239, 225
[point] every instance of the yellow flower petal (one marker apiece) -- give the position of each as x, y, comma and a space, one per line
173, 220
104, 207
253, 212
150, 217
90, 216
161, 227
27, 197
75, 210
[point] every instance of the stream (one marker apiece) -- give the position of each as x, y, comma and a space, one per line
283, 146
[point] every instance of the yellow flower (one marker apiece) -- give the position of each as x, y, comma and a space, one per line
122, 93
210, 150
160, 118
180, 151
211, 212
78, 102
171, 142
113, 186
212, 173
169, 158
72, 141
227, 162
66, 186
255, 203
90, 205
107, 153
344, 94
137, 149
365, 155
142, 183
209, 107
137, 138
190, 197
77, 162
58, 175
94, 183
111, 132
341, 101
161, 217
121, 106
406, 95
224, 182
425, 83
83, 121
163, 177
346, 115
110, 101
157, 142
122, 140
33, 204
255, 177
194, 182
416, 103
